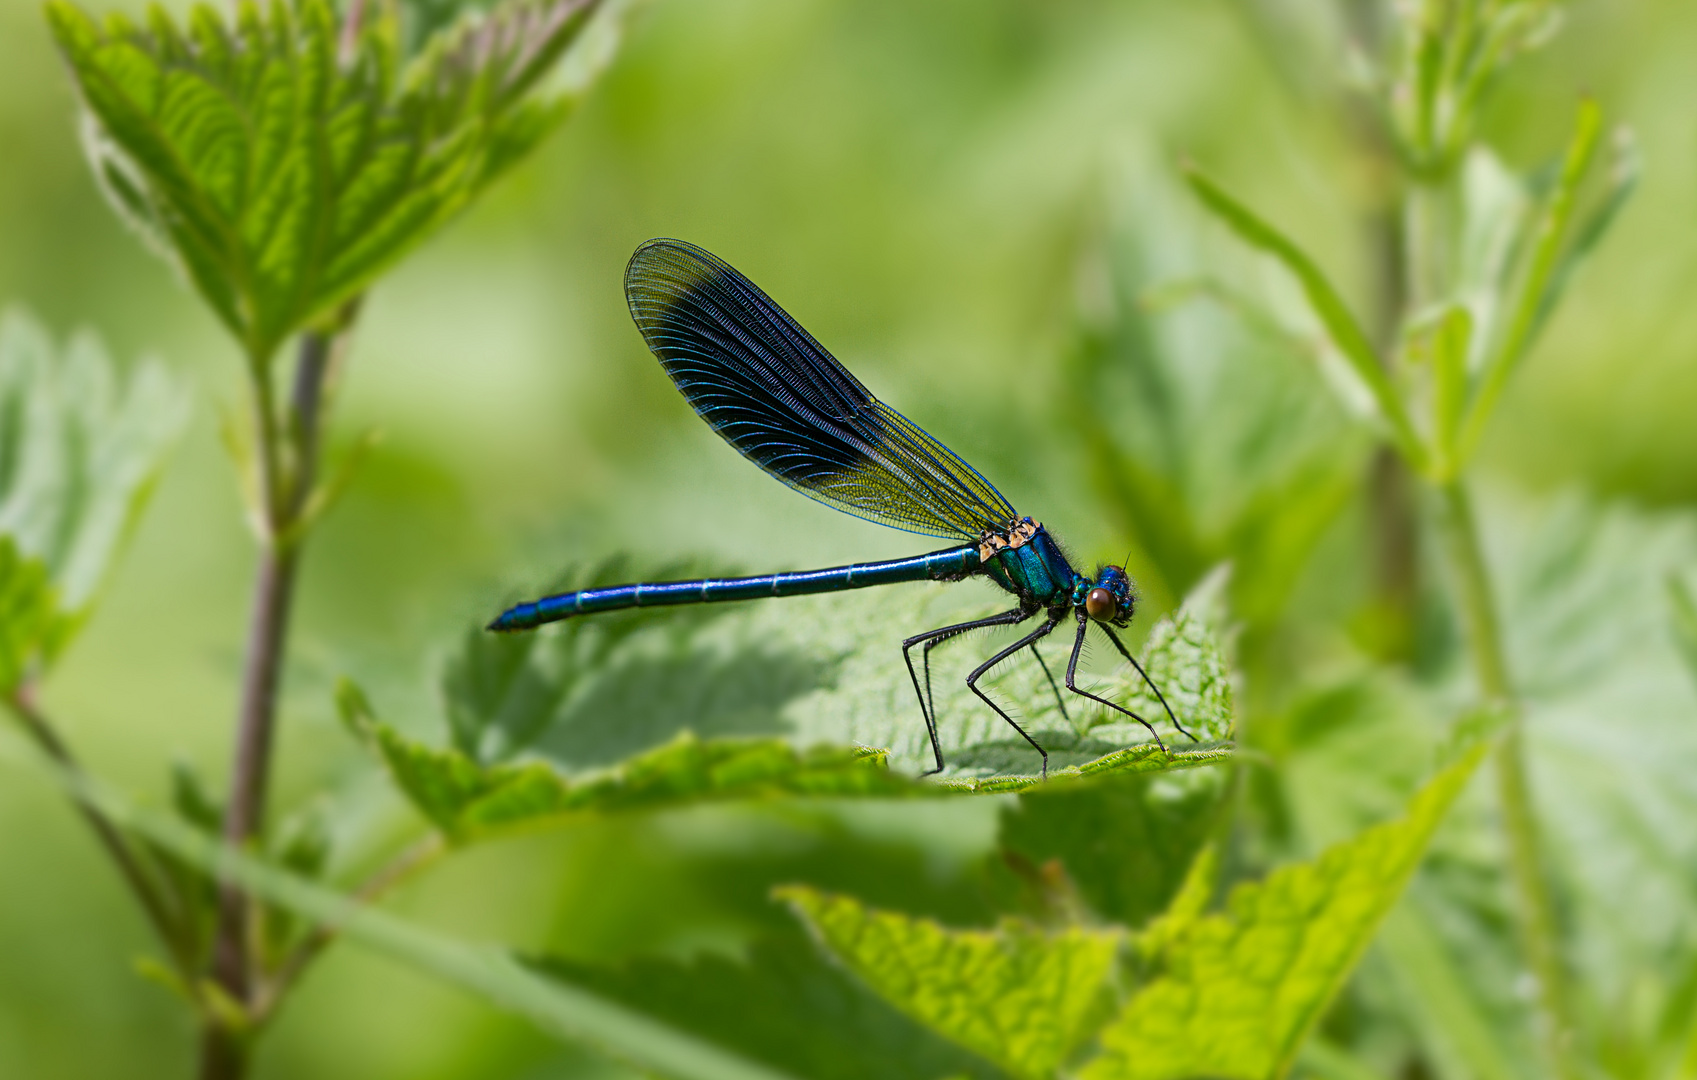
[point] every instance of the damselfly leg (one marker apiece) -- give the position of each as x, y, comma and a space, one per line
977, 672
1162, 698
1006, 618
1072, 680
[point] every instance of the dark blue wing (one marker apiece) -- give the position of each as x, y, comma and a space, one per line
783, 402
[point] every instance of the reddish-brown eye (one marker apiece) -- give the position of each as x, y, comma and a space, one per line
1099, 605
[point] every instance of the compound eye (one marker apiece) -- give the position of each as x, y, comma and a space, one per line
1100, 604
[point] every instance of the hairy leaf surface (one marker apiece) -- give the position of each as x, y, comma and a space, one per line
1242, 988
1021, 995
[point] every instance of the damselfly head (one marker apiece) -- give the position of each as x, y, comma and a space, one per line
1110, 599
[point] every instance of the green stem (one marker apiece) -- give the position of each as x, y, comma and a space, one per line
1539, 930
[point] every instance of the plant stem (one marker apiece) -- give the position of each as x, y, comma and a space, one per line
1539, 932
223, 1051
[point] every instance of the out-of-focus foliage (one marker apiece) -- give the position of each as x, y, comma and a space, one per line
940, 193
1236, 992
80, 450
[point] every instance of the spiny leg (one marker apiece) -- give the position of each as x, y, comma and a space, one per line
1115, 638
1052, 684
1006, 618
925, 662
1072, 681
972, 684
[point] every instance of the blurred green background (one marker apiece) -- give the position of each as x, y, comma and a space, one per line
923, 186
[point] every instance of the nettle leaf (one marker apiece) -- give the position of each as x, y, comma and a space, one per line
80, 448
782, 1002
1242, 988
283, 171
504, 692
465, 799
1023, 996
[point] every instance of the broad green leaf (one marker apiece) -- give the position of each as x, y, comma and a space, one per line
463, 798
505, 692
1241, 989
1126, 842
1341, 326
564, 1011
80, 449
284, 171
781, 1002
30, 625
1022, 996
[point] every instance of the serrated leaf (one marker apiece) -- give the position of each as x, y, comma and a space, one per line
782, 1002
465, 799
80, 449
1241, 989
282, 171
1146, 758
1022, 996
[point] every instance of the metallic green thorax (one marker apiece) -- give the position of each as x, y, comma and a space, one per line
1037, 572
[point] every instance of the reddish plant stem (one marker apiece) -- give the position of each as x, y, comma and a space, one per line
224, 1051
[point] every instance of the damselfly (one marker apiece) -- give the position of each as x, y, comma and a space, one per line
786, 404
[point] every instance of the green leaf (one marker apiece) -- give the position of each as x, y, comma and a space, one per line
1439, 1001
505, 692
1193, 396
1023, 996
1146, 758
1125, 841
30, 625
80, 450
1242, 988
284, 171
781, 1002
1530, 303
465, 799
1341, 326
